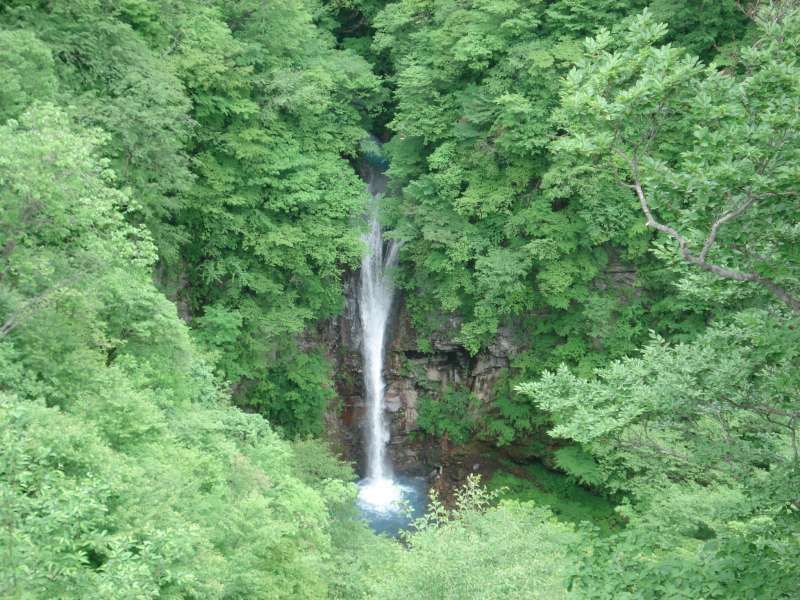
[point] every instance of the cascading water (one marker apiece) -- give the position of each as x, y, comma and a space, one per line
375, 303
375, 297
381, 495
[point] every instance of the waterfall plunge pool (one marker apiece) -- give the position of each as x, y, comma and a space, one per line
390, 505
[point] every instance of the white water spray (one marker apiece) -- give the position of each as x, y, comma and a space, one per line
379, 492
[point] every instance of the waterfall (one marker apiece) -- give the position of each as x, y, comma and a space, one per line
379, 491
375, 304
388, 502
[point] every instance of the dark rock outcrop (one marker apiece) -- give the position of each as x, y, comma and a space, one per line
411, 375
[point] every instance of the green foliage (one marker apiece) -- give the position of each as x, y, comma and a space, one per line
27, 70
295, 392
231, 123
109, 77
695, 542
476, 84
174, 515
705, 28
703, 438
474, 551
123, 471
711, 154
470, 498
270, 220
701, 435
567, 500
452, 414
579, 464
501, 229
209, 144
732, 384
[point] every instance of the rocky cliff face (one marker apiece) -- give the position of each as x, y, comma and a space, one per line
410, 376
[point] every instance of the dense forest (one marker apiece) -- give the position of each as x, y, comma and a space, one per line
615, 181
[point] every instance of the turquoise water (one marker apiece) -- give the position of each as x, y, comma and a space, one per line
389, 506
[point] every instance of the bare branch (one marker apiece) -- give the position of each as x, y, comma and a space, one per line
700, 261
766, 409
726, 218
651, 221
